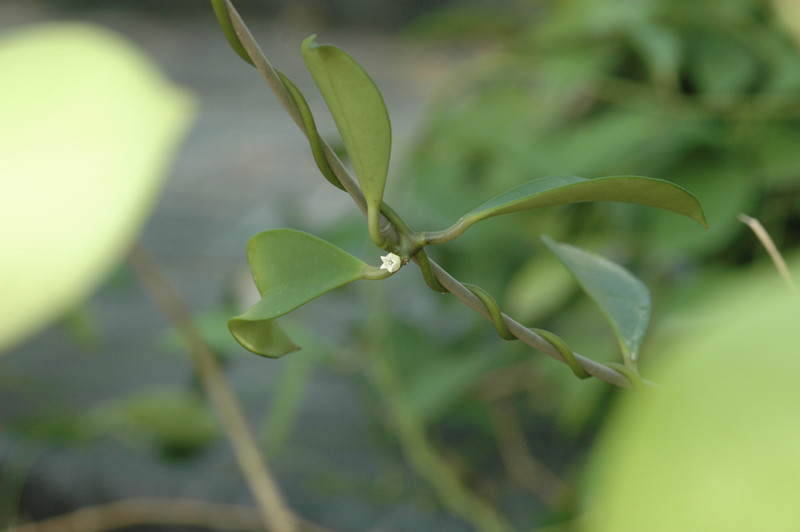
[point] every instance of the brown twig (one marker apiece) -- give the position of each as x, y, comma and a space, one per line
275, 515
151, 511
772, 250
521, 465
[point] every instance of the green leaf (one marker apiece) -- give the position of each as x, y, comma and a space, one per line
622, 298
291, 268
311, 131
360, 114
88, 130
559, 190
264, 337
177, 420
728, 388
221, 12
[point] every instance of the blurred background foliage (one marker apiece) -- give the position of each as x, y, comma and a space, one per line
396, 387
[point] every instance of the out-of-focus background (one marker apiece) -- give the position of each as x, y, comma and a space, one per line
103, 404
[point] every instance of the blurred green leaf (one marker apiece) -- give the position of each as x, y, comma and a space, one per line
724, 188
661, 49
212, 326
178, 421
88, 127
622, 298
286, 403
722, 67
465, 22
360, 114
290, 268
537, 289
730, 397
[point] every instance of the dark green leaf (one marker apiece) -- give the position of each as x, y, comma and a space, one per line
360, 114
559, 190
622, 298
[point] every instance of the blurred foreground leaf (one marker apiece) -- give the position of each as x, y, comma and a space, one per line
88, 127
714, 448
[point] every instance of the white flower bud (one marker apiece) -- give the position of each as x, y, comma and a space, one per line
391, 263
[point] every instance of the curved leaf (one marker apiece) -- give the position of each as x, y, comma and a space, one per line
221, 12
559, 190
264, 337
360, 114
311, 130
291, 268
622, 298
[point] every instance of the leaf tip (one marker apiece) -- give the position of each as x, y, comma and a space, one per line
701, 219
309, 43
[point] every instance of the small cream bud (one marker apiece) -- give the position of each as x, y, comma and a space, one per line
391, 263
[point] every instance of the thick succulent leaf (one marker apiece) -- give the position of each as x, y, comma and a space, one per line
261, 336
622, 298
559, 190
290, 268
360, 114
88, 130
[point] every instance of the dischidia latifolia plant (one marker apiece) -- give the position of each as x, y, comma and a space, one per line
290, 267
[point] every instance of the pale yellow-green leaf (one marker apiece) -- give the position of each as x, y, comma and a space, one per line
715, 447
88, 127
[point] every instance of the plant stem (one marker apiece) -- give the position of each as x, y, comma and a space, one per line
388, 229
529, 337
152, 511
772, 250
263, 65
275, 515
520, 464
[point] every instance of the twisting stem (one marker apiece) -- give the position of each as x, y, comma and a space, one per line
566, 352
389, 230
274, 512
529, 337
494, 311
260, 61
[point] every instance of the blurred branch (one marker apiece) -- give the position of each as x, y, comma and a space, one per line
152, 511
274, 513
772, 250
521, 465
